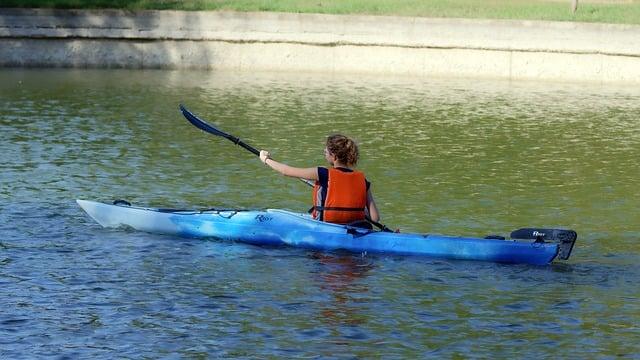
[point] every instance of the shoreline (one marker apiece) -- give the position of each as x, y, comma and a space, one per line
506, 49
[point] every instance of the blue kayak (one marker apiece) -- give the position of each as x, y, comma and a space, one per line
281, 227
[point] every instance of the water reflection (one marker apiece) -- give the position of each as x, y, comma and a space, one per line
340, 276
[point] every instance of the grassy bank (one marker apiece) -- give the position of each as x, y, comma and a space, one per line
602, 11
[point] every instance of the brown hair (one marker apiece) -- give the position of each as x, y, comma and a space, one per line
344, 149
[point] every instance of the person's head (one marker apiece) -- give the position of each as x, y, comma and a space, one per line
342, 149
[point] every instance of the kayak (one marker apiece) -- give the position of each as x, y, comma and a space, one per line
282, 227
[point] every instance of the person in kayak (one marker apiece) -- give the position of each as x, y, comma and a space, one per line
341, 194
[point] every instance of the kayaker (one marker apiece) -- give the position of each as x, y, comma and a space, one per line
341, 194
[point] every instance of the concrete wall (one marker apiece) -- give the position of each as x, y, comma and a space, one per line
322, 43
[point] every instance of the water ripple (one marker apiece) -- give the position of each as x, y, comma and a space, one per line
444, 156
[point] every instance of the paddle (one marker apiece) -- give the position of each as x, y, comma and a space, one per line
206, 127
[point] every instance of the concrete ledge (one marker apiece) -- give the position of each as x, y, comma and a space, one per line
327, 43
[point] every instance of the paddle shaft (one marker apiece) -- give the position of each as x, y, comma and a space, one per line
204, 126
245, 145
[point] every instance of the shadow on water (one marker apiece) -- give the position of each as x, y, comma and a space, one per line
594, 273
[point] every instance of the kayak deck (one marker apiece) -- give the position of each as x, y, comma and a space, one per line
277, 227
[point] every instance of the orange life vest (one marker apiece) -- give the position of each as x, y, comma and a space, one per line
345, 200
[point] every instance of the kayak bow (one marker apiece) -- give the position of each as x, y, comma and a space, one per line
278, 227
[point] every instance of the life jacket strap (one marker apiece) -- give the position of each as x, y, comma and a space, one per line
332, 208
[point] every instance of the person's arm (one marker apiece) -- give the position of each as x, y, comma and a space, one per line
286, 170
371, 206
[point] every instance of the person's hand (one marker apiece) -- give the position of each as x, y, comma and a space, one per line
264, 155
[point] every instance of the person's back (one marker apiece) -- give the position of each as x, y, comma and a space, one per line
341, 194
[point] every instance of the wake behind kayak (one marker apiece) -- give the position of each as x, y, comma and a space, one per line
277, 227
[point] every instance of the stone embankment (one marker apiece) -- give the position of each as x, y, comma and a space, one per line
320, 43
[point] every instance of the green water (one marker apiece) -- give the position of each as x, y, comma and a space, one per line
449, 156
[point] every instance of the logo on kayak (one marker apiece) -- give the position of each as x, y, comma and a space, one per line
537, 233
263, 218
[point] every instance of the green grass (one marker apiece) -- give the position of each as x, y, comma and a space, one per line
602, 11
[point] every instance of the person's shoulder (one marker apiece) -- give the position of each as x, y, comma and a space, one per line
323, 175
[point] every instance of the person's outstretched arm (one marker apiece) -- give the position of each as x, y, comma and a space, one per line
286, 170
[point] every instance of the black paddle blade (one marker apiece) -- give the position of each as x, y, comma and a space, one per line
565, 238
204, 126
201, 124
